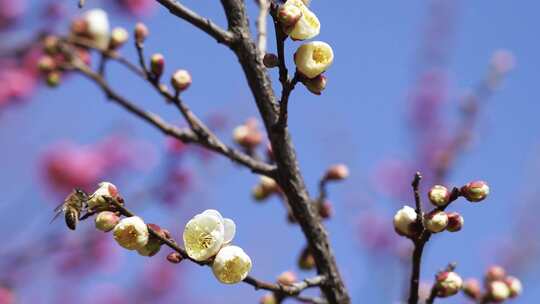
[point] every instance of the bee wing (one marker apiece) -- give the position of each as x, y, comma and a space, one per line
56, 215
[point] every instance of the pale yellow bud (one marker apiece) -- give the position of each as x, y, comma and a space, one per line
308, 26
231, 265
119, 36
181, 80
313, 58
131, 233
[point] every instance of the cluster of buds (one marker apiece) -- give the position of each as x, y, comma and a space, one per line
499, 286
49, 63
312, 58
406, 222
265, 188
209, 235
248, 134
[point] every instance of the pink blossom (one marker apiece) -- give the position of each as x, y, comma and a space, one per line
6, 296
137, 8
10, 10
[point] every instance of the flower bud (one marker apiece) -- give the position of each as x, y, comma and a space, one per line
259, 193
174, 257
231, 265
287, 278
46, 64
503, 61
53, 79
514, 285
270, 60
448, 284
154, 243
268, 184
50, 45
99, 197
248, 135
288, 15
306, 261
131, 233
455, 222
313, 58
98, 26
268, 298
140, 32
498, 291
79, 27
306, 27
475, 191
471, 288
181, 80
495, 273
337, 172
405, 222
326, 210
106, 221
157, 64
436, 221
439, 195
315, 85
119, 36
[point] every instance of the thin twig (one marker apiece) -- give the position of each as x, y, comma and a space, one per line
264, 7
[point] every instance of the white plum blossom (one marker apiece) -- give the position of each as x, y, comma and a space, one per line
308, 26
206, 233
231, 265
313, 58
105, 189
98, 26
131, 233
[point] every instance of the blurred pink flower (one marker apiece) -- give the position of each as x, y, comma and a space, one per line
6, 296
10, 10
376, 233
392, 177
137, 8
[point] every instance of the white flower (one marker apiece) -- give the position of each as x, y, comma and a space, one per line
405, 220
98, 26
131, 233
105, 189
313, 58
436, 221
206, 233
231, 265
308, 26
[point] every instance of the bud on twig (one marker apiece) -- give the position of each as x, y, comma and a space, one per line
455, 222
174, 257
337, 172
306, 261
181, 80
439, 195
514, 285
495, 273
270, 60
53, 79
106, 221
119, 36
475, 191
287, 278
436, 221
140, 33
448, 284
471, 288
46, 64
288, 15
405, 222
157, 65
498, 291
326, 210
268, 298
315, 85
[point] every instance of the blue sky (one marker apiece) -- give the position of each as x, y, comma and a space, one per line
359, 120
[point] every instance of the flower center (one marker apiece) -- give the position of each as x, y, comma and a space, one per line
319, 55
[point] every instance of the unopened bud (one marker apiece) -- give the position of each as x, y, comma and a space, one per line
287, 278
326, 210
106, 221
53, 78
439, 195
119, 36
455, 222
515, 286
174, 257
288, 15
50, 45
181, 80
268, 298
472, 289
313, 58
448, 284
270, 60
79, 27
475, 191
405, 222
140, 32
157, 64
247, 135
306, 261
436, 221
337, 172
259, 194
498, 291
495, 273
46, 64
315, 85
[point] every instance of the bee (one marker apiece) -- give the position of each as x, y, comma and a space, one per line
72, 207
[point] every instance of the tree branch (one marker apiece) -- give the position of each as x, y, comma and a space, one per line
205, 24
288, 173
